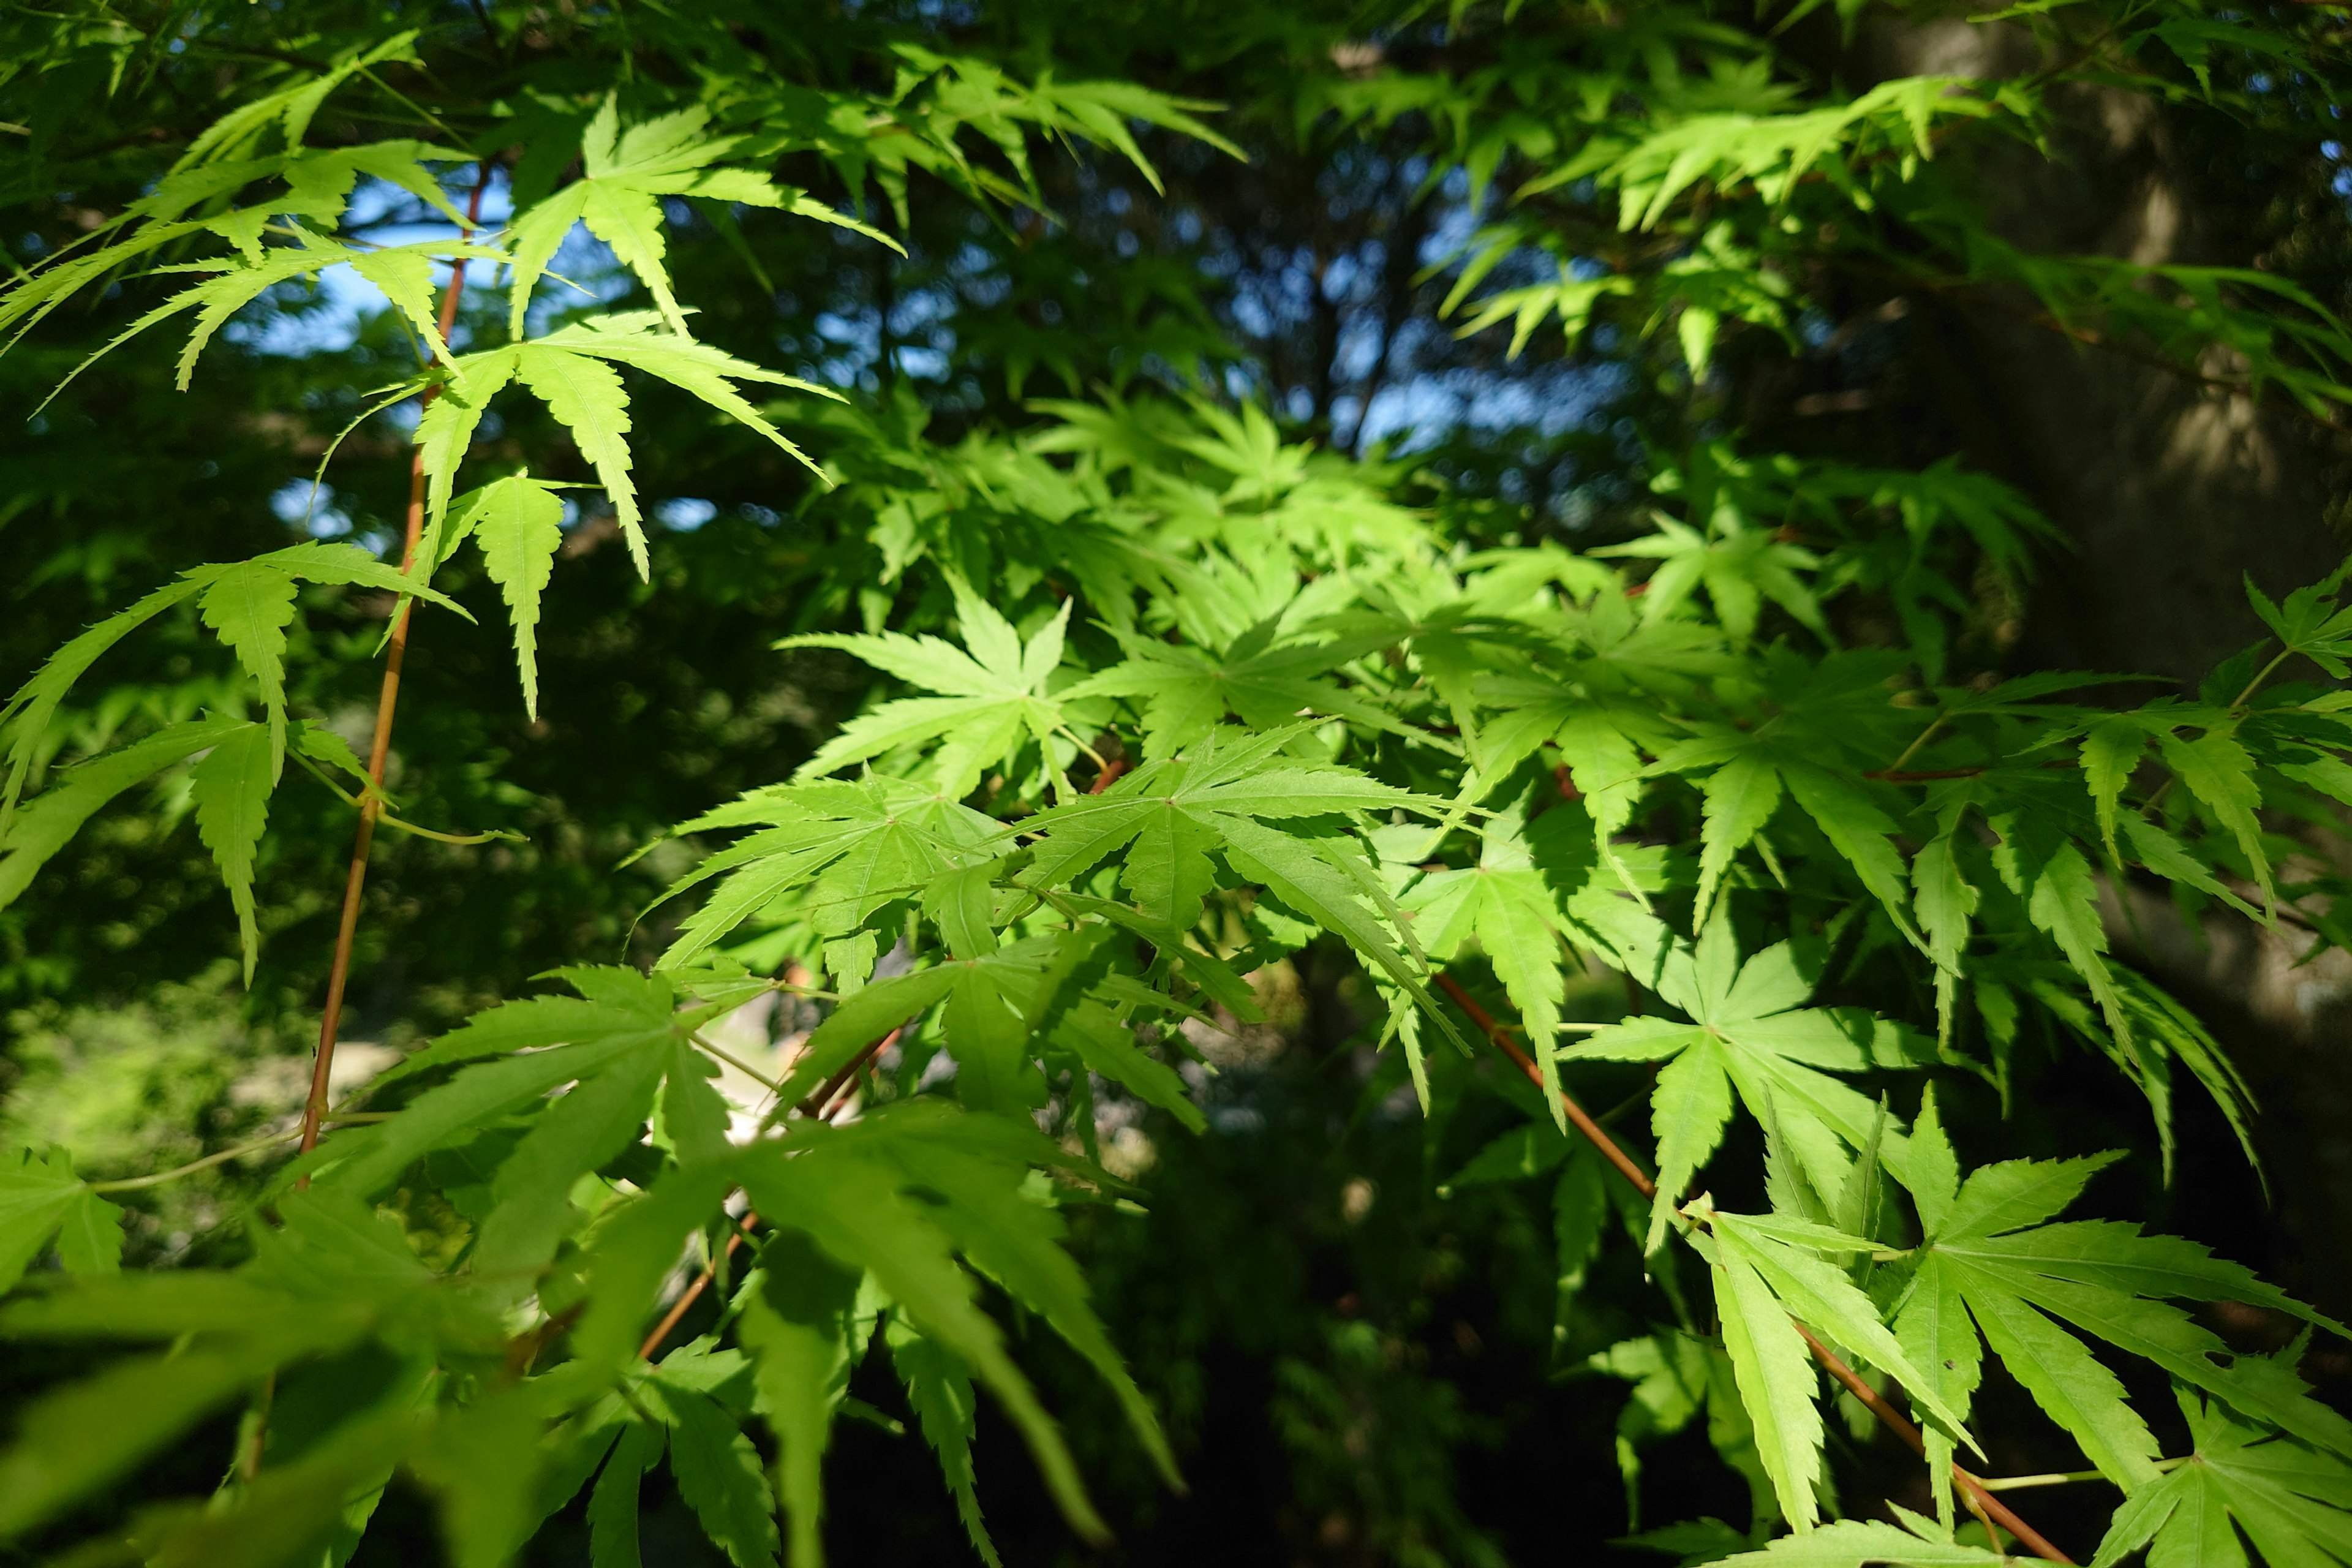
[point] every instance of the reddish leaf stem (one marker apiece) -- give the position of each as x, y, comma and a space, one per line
340, 973
1576, 1113
1876, 1402
1895, 1421
693, 1292
822, 1105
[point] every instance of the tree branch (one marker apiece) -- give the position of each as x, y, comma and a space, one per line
1871, 1398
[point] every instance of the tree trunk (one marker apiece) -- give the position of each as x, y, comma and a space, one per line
2170, 493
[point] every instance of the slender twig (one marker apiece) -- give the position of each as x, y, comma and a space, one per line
693, 1292
1916, 742
134, 1184
385, 818
1892, 775
380, 750
2059, 1478
1901, 1425
1980, 1499
1109, 776
2259, 676
1576, 1113
822, 1105
737, 1063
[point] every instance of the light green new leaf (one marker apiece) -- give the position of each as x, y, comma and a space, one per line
587, 398
861, 1020
2015, 1276
1740, 797
1750, 1033
2111, 751
2219, 772
42, 1201
718, 1475
1858, 1543
1859, 831
613, 1507
993, 701
1263, 677
531, 1210
1777, 1384
1015, 1241
519, 523
1933, 1326
248, 606
798, 1325
697, 368
2065, 904
1945, 900
34, 703
938, 1390
2294, 1505
1827, 1300
232, 787
2066, 1380
1689, 1106
1935, 1175
855, 1207
445, 433
615, 1004
624, 173
37, 831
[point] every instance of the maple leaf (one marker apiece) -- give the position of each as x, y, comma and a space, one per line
1261, 677
1749, 1035
994, 696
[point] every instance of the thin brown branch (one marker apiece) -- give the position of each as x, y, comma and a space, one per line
1895, 1420
1576, 1113
1901, 1425
822, 1105
693, 1292
339, 972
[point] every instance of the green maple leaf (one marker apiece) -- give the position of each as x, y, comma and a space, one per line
623, 176
249, 603
403, 272
519, 523
233, 784
1858, 1543
1262, 677
1507, 907
43, 1203
1789, 1258
994, 696
1989, 1265
1168, 816
1750, 1034
831, 852
1739, 569
624, 1039
571, 372
938, 1390
2311, 623
2293, 1504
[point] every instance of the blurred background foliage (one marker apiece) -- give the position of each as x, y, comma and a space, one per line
1362, 1360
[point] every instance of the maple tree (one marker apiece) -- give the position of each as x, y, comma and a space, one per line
1168, 699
